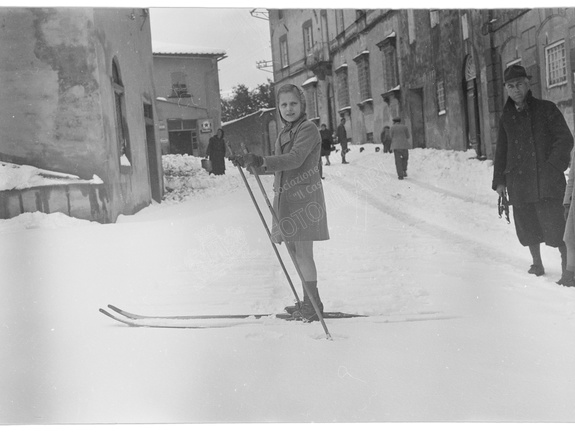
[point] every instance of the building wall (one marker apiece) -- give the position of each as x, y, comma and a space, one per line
465, 50
369, 118
203, 85
50, 114
57, 108
526, 37
127, 38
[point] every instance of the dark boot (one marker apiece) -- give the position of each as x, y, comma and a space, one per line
537, 267
567, 279
307, 312
311, 286
563, 251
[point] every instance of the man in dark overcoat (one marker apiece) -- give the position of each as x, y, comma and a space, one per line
533, 151
342, 139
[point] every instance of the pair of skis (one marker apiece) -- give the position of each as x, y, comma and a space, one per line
201, 321
188, 322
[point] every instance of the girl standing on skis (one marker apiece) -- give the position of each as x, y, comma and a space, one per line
298, 193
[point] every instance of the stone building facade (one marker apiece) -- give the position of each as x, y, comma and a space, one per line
439, 70
77, 97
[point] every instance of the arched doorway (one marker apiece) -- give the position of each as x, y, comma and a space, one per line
472, 108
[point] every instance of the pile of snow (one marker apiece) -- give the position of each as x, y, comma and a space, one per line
14, 176
184, 178
38, 220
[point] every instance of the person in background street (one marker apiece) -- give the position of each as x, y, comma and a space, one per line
400, 145
298, 193
326, 143
216, 153
386, 139
342, 139
533, 151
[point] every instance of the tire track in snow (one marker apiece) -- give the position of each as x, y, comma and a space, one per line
471, 244
442, 191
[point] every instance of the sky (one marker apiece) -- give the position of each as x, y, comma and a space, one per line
244, 38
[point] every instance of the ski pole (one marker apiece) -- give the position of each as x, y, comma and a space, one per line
291, 253
298, 302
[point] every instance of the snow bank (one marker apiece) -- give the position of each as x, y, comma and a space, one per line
25, 176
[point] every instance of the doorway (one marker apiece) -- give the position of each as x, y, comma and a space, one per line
183, 136
415, 101
153, 163
181, 142
472, 108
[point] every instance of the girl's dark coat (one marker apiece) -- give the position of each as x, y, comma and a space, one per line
299, 200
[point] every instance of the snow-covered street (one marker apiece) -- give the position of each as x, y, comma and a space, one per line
457, 329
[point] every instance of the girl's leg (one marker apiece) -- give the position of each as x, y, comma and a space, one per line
304, 257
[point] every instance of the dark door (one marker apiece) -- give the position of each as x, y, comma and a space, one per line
153, 162
415, 100
181, 142
473, 129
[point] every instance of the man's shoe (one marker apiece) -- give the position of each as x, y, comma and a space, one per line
566, 281
400, 178
536, 269
404, 173
567, 278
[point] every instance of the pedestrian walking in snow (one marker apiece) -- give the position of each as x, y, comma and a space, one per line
326, 143
342, 139
533, 151
216, 153
400, 145
298, 193
386, 139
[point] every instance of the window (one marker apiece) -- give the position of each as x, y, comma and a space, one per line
363, 76
390, 69
440, 97
122, 136
184, 128
339, 26
284, 59
307, 37
179, 85
556, 64
342, 87
311, 100
464, 27
411, 25
434, 17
